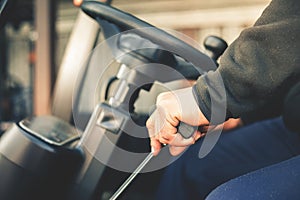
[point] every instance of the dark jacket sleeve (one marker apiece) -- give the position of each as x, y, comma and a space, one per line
291, 109
259, 67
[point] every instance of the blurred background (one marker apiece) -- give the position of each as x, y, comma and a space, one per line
38, 40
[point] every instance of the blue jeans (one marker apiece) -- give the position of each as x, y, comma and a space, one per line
236, 153
277, 182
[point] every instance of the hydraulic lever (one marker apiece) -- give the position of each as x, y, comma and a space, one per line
184, 129
131, 177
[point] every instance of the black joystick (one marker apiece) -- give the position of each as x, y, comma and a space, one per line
215, 47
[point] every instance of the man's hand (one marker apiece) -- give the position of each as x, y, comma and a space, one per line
171, 108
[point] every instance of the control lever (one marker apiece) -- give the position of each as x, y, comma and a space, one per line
215, 47
184, 129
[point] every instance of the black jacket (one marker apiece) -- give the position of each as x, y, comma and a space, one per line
291, 109
259, 67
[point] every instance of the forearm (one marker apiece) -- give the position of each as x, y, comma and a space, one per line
259, 67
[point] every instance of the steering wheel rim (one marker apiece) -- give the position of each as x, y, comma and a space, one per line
167, 41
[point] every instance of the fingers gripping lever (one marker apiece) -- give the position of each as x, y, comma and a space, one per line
184, 129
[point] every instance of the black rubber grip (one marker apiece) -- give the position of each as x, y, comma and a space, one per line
186, 130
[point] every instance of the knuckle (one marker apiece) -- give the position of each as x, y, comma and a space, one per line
160, 96
149, 123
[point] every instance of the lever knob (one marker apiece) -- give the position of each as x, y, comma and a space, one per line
215, 47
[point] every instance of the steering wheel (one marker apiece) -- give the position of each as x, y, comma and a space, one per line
192, 57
